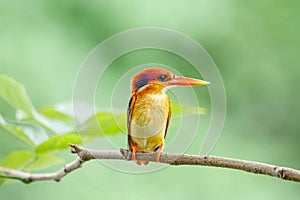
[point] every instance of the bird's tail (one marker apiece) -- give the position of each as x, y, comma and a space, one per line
142, 162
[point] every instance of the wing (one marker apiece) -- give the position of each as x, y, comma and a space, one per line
129, 117
168, 119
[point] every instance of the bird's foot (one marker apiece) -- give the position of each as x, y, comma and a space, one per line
134, 149
161, 148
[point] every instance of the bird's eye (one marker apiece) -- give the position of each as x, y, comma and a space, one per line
163, 78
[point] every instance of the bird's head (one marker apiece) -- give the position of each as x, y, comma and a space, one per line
161, 80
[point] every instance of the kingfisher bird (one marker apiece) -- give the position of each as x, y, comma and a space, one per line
149, 112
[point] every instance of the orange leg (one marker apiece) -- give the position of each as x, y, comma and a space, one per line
133, 152
161, 148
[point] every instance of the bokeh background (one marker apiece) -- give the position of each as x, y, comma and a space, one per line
255, 45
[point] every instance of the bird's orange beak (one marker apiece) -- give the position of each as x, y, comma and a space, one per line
184, 81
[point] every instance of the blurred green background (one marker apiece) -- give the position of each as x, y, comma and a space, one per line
254, 43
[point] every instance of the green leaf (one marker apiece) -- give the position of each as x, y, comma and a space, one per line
58, 119
25, 160
16, 160
60, 112
36, 133
28, 132
178, 109
54, 125
58, 142
15, 94
16, 130
104, 123
44, 160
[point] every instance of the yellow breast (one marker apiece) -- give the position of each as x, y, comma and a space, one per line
149, 120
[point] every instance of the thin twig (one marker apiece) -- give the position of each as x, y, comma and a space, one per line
171, 159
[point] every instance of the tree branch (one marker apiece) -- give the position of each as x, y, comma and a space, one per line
171, 159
